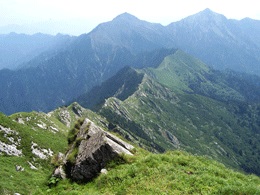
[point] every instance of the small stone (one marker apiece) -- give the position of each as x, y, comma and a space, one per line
19, 168
59, 173
103, 171
32, 166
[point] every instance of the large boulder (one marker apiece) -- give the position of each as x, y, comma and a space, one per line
90, 150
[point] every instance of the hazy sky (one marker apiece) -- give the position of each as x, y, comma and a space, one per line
80, 16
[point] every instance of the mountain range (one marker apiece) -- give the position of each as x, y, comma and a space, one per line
183, 86
70, 66
18, 49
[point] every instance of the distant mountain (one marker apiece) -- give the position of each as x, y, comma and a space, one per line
51, 82
155, 96
131, 33
220, 42
70, 26
18, 49
184, 104
56, 77
251, 28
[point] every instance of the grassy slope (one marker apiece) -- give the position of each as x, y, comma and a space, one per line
177, 70
35, 181
169, 173
202, 125
167, 105
28, 180
233, 119
183, 72
146, 173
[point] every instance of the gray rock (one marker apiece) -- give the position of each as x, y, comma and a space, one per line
173, 139
10, 149
103, 171
32, 166
41, 153
59, 173
19, 168
13, 140
64, 116
96, 148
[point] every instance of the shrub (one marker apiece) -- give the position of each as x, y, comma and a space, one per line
56, 160
72, 156
72, 134
53, 181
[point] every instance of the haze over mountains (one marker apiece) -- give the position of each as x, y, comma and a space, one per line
192, 85
76, 64
18, 49
195, 34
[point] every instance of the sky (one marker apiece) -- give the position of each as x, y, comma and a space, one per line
81, 16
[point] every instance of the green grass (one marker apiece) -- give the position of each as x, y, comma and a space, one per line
29, 181
173, 172
180, 98
177, 70
30, 132
35, 181
25, 182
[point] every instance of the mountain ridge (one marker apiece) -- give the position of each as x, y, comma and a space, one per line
211, 117
62, 78
157, 98
94, 57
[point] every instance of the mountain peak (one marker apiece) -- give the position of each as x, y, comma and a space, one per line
205, 17
126, 17
208, 13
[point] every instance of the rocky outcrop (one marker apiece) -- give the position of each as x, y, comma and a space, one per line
65, 117
91, 149
10, 142
41, 153
9, 149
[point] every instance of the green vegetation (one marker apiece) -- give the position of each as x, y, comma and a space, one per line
48, 131
72, 155
23, 182
72, 134
29, 180
181, 104
74, 141
30, 132
56, 160
214, 117
173, 172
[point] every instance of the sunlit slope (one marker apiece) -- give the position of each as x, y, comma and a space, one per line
178, 105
